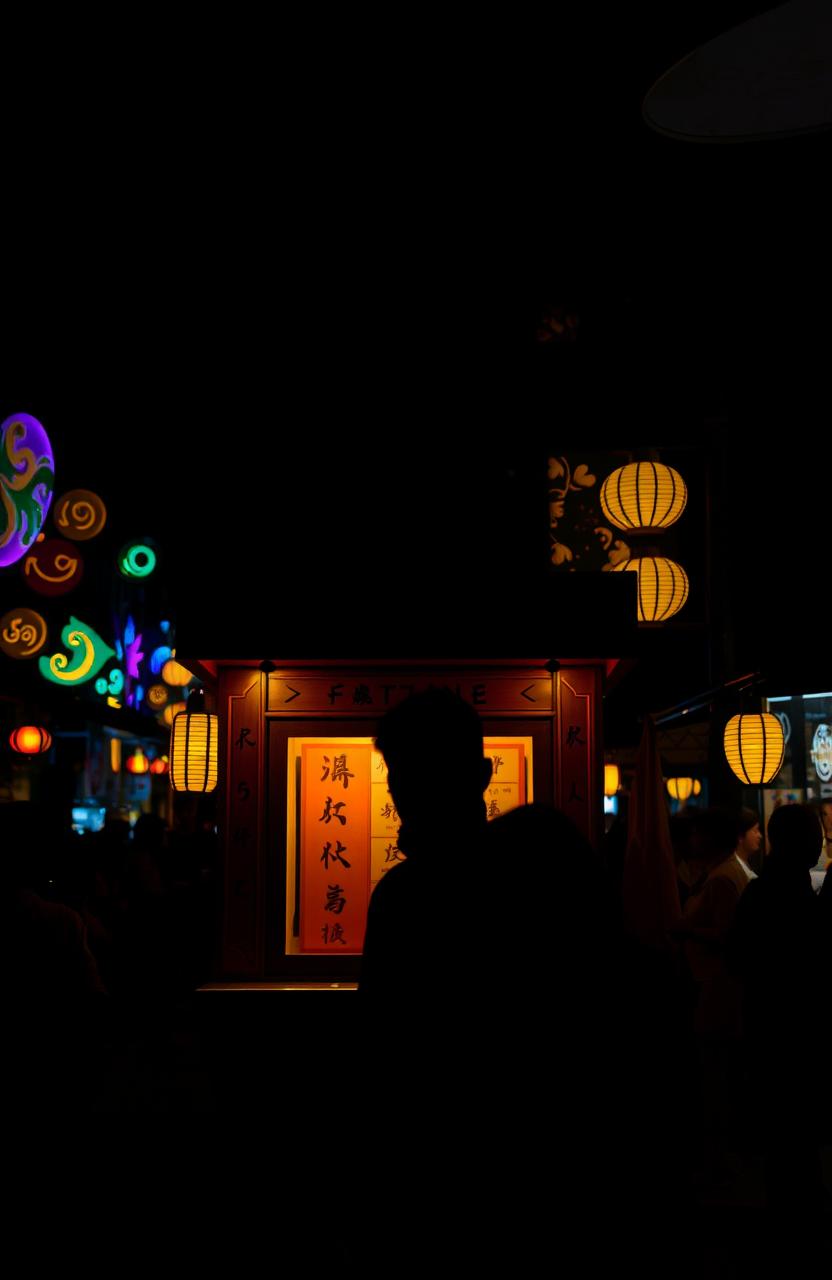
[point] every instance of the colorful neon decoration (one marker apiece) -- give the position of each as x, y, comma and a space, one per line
138, 762
27, 480
159, 657
22, 633
157, 696
53, 567
112, 684
30, 740
90, 655
79, 515
137, 560
132, 649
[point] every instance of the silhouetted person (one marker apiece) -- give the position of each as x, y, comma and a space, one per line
778, 947
426, 914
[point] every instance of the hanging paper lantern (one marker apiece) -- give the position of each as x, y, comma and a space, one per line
171, 711
159, 765
175, 674
612, 779
138, 762
680, 789
697, 787
30, 740
157, 696
642, 496
27, 480
662, 586
79, 515
755, 747
193, 748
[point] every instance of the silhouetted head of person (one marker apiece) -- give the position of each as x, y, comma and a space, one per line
436, 770
718, 830
795, 836
149, 832
749, 834
24, 841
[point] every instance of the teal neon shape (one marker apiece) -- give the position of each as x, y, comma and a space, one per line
88, 654
138, 561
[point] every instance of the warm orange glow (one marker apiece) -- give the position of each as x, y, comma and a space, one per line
193, 751
174, 673
138, 762
30, 740
159, 765
643, 495
755, 747
680, 788
612, 779
171, 711
662, 586
335, 846
115, 755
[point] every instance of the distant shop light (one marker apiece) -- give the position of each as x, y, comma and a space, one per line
755, 747
612, 779
138, 762
643, 496
115, 755
663, 586
30, 740
193, 747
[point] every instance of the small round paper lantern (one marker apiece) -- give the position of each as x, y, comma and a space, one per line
157, 696
138, 762
642, 496
193, 748
171, 711
662, 586
697, 787
30, 740
159, 765
175, 674
754, 747
612, 779
680, 789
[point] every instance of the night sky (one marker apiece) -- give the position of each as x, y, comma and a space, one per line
309, 345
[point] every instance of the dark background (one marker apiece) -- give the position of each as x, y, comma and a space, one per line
281, 310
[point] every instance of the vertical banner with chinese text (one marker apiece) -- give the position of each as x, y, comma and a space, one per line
334, 846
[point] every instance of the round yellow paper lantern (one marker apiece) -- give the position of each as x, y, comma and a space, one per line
612, 779
663, 586
30, 740
174, 673
754, 747
680, 789
642, 496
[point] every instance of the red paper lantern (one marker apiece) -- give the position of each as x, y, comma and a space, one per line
138, 762
30, 740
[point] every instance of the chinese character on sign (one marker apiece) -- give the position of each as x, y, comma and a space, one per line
333, 933
497, 761
340, 773
331, 811
334, 854
335, 900
391, 853
493, 809
390, 811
